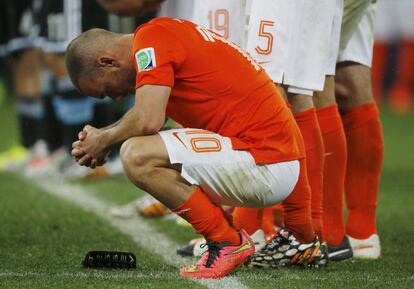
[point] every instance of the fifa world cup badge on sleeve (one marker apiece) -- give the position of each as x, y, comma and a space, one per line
145, 59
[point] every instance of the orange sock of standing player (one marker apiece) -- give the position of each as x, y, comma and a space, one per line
334, 174
277, 211
207, 219
252, 219
268, 222
365, 155
312, 136
297, 208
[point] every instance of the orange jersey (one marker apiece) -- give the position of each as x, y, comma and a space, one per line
218, 87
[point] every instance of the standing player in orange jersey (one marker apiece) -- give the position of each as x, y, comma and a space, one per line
243, 147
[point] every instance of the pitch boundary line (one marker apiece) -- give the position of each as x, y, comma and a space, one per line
136, 228
134, 275
84, 275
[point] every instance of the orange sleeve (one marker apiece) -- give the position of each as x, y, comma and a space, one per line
157, 54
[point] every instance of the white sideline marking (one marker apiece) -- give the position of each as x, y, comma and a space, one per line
136, 228
135, 275
86, 275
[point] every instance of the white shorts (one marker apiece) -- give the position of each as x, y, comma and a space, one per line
225, 17
291, 40
227, 176
335, 37
182, 9
394, 20
357, 33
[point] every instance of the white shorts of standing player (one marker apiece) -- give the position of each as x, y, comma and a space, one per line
357, 33
335, 37
182, 9
229, 177
394, 20
292, 40
352, 36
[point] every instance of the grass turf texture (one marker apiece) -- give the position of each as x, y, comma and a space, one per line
43, 239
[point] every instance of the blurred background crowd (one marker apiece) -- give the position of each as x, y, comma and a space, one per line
50, 112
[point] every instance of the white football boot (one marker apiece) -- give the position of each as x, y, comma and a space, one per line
369, 248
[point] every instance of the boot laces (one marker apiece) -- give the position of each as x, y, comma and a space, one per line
214, 249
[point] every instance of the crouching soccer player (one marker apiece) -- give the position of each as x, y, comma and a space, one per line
242, 147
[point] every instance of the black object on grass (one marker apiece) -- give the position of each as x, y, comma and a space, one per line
110, 259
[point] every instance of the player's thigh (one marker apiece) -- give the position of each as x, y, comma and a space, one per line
228, 176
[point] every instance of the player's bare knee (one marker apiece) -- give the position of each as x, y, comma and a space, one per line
133, 155
300, 102
326, 97
353, 85
137, 164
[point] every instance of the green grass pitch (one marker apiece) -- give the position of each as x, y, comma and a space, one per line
43, 238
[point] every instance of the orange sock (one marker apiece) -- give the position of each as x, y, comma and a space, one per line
252, 219
334, 174
249, 219
312, 136
278, 215
207, 219
297, 208
365, 155
268, 222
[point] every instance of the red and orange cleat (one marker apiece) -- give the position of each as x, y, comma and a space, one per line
220, 259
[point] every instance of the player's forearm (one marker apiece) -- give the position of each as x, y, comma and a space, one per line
146, 117
132, 124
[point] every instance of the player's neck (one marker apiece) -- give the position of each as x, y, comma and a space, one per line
125, 43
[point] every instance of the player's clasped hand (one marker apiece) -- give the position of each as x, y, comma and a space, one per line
89, 150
